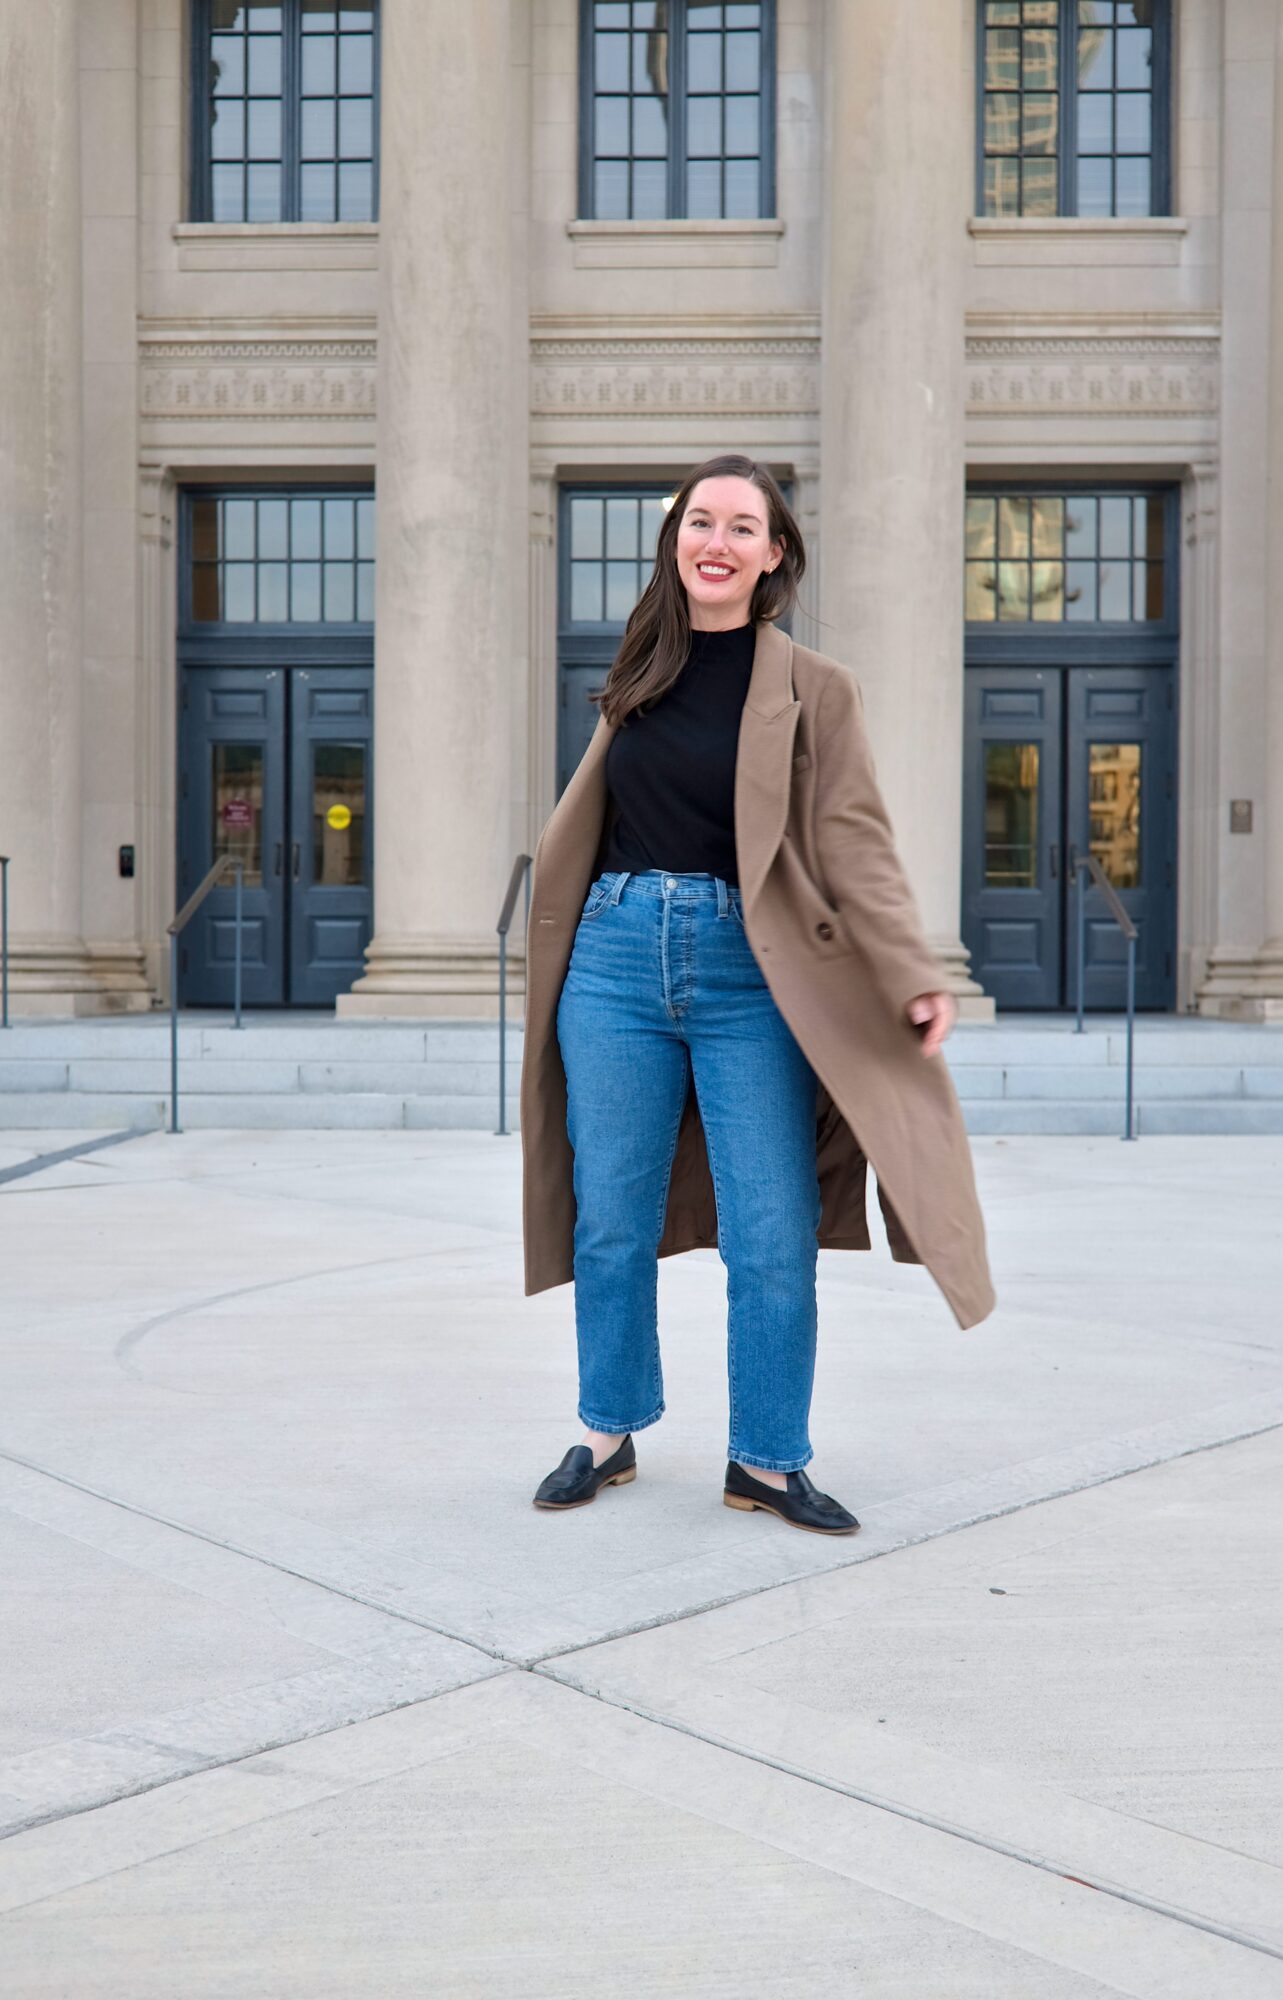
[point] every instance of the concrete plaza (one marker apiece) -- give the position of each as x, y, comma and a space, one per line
301, 1697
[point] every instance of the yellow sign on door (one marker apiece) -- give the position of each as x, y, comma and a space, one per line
339, 817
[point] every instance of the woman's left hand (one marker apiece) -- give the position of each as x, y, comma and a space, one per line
938, 1011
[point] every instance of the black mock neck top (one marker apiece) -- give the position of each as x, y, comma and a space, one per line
671, 770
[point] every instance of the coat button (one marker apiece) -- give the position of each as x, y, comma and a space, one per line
824, 930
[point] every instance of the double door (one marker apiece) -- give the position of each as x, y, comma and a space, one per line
1059, 762
275, 769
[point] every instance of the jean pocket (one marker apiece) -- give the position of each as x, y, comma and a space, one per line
598, 897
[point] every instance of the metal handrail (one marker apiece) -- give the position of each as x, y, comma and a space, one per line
520, 872
4, 940
189, 909
1091, 865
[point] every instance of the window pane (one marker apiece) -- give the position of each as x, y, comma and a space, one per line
1040, 188
356, 132
273, 528
1080, 527
1039, 125
585, 528
340, 593
1115, 526
1080, 590
236, 796
305, 593
1095, 187
1133, 187
356, 65
650, 127
1002, 59
305, 522
742, 124
205, 593
1095, 121
982, 589
1011, 815
980, 526
317, 129
262, 194
1113, 788
1002, 123
621, 528
652, 520
365, 527
227, 64
704, 127
1013, 527
338, 814
610, 190
621, 590
273, 591
1133, 122
650, 190
743, 62
1013, 590
1133, 57
340, 524
1049, 590
205, 528
703, 62
365, 591
743, 188
611, 127
264, 129
316, 193
227, 194
610, 57
265, 66
238, 592
1002, 187
1095, 58
585, 593
1048, 526
238, 528
227, 133
1115, 596
356, 192
704, 188
1039, 58
318, 66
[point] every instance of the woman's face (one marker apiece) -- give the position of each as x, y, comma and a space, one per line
723, 545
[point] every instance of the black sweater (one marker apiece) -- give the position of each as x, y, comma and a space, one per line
671, 771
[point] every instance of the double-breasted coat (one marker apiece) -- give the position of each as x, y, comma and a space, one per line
834, 926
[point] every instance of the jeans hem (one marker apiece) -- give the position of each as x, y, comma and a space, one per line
769, 1464
612, 1429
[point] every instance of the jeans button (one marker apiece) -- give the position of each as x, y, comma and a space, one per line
670, 884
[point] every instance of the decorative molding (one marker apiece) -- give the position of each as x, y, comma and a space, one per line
1095, 374
276, 246
276, 378
663, 377
1093, 241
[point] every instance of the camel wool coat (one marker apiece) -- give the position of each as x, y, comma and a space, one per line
833, 924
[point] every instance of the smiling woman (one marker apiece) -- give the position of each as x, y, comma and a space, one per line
724, 970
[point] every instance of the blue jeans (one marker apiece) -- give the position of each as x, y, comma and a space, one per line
662, 981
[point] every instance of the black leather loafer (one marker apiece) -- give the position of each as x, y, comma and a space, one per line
576, 1479
802, 1506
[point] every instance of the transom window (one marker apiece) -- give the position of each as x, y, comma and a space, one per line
1066, 558
286, 117
282, 559
677, 109
1074, 98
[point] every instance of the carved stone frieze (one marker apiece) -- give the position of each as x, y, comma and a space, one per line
278, 378
1128, 375
586, 378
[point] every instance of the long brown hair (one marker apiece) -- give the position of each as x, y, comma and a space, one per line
657, 636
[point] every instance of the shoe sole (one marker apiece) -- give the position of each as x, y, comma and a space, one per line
623, 1478
744, 1505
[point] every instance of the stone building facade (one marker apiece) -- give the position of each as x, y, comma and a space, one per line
327, 470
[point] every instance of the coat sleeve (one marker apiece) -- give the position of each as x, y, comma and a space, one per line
857, 855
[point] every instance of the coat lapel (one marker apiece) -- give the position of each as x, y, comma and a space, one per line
764, 759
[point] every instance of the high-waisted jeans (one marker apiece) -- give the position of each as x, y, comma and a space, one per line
662, 981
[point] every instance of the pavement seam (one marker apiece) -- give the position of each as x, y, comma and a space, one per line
1106, 1887
43, 1160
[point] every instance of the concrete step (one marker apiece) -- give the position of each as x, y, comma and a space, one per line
1066, 1116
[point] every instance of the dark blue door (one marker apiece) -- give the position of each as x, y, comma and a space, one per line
1060, 761
275, 771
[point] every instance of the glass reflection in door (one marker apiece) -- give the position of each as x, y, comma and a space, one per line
338, 814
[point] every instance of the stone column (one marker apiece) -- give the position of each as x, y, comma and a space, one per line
1244, 979
898, 177
450, 602
40, 506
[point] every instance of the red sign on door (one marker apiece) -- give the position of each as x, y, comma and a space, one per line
238, 813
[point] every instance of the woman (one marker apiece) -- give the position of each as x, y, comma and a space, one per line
726, 981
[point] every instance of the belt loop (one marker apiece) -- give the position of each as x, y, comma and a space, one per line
723, 901
620, 880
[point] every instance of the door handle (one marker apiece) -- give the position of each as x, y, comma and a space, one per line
1054, 858
276, 865
296, 855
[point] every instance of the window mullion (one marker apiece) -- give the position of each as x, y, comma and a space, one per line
291, 111
1067, 203
677, 109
